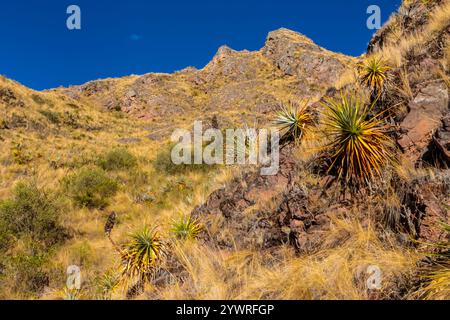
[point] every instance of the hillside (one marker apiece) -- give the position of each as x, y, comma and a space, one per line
84, 169
247, 85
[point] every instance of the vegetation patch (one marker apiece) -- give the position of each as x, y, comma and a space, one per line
117, 159
164, 164
90, 187
31, 214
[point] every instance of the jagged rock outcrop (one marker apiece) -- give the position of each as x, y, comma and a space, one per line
236, 210
249, 82
424, 72
427, 109
295, 54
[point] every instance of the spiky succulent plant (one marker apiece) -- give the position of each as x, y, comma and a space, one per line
186, 227
143, 253
294, 121
373, 73
359, 147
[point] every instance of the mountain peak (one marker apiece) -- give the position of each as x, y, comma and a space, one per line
288, 34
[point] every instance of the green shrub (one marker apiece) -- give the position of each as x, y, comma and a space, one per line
28, 273
163, 163
30, 214
117, 159
90, 187
38, 99
52, 116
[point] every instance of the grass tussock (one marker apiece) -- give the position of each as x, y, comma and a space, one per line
186, 228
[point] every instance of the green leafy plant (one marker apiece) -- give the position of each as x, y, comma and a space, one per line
294, 121
28, 272
186, 227
117, 159
91, 187
108, 283
31, 214
359, 147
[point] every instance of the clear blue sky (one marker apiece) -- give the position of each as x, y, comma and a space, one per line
139, 36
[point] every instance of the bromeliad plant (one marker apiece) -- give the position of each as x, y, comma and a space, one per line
373, 73
359, 147
142, 255
294, 121
186, 228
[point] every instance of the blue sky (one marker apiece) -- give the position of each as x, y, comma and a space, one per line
138, 36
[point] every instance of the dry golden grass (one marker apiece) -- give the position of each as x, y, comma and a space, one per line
395, 51
437, 286
338, 272
349, 77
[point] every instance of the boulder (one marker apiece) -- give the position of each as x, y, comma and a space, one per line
427, 110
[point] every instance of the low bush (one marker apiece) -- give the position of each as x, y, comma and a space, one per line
117, 159
163, 163
52, 116
90, 187
27, 273
30, 214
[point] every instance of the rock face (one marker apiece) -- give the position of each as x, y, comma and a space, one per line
296, 55
425, 73
231, 206
411, 17
426, 111
234, 210
442, 141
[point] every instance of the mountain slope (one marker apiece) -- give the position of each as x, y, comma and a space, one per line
288, 66
97, 153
